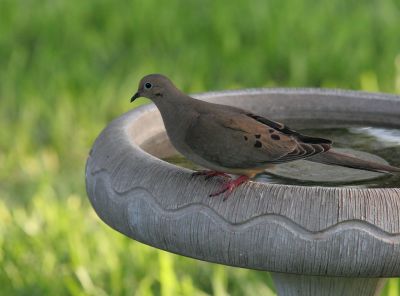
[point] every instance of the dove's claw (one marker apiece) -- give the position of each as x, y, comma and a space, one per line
230, 186
214, 174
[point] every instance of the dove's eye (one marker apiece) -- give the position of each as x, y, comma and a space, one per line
148, 85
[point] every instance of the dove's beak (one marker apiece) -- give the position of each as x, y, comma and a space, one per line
135, 96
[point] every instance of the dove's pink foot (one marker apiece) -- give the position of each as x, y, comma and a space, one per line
230, 186
210, 174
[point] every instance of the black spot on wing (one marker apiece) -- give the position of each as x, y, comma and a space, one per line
245, 138
275, 137
257, 136
258, 144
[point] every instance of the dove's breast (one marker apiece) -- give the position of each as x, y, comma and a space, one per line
176, 123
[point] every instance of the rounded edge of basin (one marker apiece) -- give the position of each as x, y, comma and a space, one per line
281, 228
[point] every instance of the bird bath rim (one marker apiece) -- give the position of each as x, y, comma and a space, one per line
281, 228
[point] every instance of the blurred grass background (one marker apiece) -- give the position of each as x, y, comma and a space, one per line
68, 67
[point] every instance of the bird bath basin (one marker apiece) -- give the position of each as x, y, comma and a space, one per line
378, 145
316, 240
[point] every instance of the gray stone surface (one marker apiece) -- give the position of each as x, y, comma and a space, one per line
304, 231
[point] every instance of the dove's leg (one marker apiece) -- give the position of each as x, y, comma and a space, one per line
210, 174
230, 186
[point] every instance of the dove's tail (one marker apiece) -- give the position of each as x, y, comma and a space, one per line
346, 160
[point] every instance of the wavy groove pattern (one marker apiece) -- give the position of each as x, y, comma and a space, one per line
225, 225
146, 220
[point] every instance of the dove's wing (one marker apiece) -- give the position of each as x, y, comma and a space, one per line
306, 146
240, 140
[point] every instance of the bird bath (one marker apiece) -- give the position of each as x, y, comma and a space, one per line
316, 240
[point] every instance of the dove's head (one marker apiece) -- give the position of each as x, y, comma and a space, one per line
154, 87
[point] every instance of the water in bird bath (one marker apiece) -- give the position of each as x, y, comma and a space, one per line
379, 143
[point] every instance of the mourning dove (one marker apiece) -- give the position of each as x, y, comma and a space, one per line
229, 140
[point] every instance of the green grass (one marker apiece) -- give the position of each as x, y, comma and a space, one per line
68, 67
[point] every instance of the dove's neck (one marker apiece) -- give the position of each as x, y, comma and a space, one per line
177, 114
